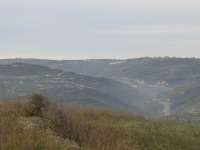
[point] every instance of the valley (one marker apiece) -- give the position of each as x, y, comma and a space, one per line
146, 85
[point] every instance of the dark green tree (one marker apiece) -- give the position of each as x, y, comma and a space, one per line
36, 106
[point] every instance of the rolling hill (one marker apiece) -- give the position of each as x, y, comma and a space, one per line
154, 85
172, 71
20, 79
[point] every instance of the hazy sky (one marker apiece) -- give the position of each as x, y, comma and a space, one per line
79, 29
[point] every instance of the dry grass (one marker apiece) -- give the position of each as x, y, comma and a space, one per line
75, 128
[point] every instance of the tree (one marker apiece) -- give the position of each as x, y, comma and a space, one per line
35, 106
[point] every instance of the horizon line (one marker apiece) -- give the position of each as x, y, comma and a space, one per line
63, 59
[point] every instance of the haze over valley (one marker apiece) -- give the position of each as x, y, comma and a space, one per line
99, 75
154, 87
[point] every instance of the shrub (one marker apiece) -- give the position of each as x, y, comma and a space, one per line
70, 127
36, 106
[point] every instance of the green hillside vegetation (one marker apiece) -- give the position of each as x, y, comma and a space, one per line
170, 69
185, 103
155, 87
20, 79
37, 124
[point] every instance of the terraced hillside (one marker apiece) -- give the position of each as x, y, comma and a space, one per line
20, 79
154, 85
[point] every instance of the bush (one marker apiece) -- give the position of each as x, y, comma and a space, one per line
36, 106
18, 132
70, 127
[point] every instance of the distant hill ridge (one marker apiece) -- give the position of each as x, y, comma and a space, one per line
22, 69
172, 70
158, 86
21, 79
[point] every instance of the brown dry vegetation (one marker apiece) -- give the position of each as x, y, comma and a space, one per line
40, 125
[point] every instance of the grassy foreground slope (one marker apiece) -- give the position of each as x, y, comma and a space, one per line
40, 125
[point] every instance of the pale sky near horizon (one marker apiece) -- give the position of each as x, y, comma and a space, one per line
81, 29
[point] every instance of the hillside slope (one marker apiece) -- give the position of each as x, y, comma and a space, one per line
152, 78
185, 103
38, 124
173, 71
20, 79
